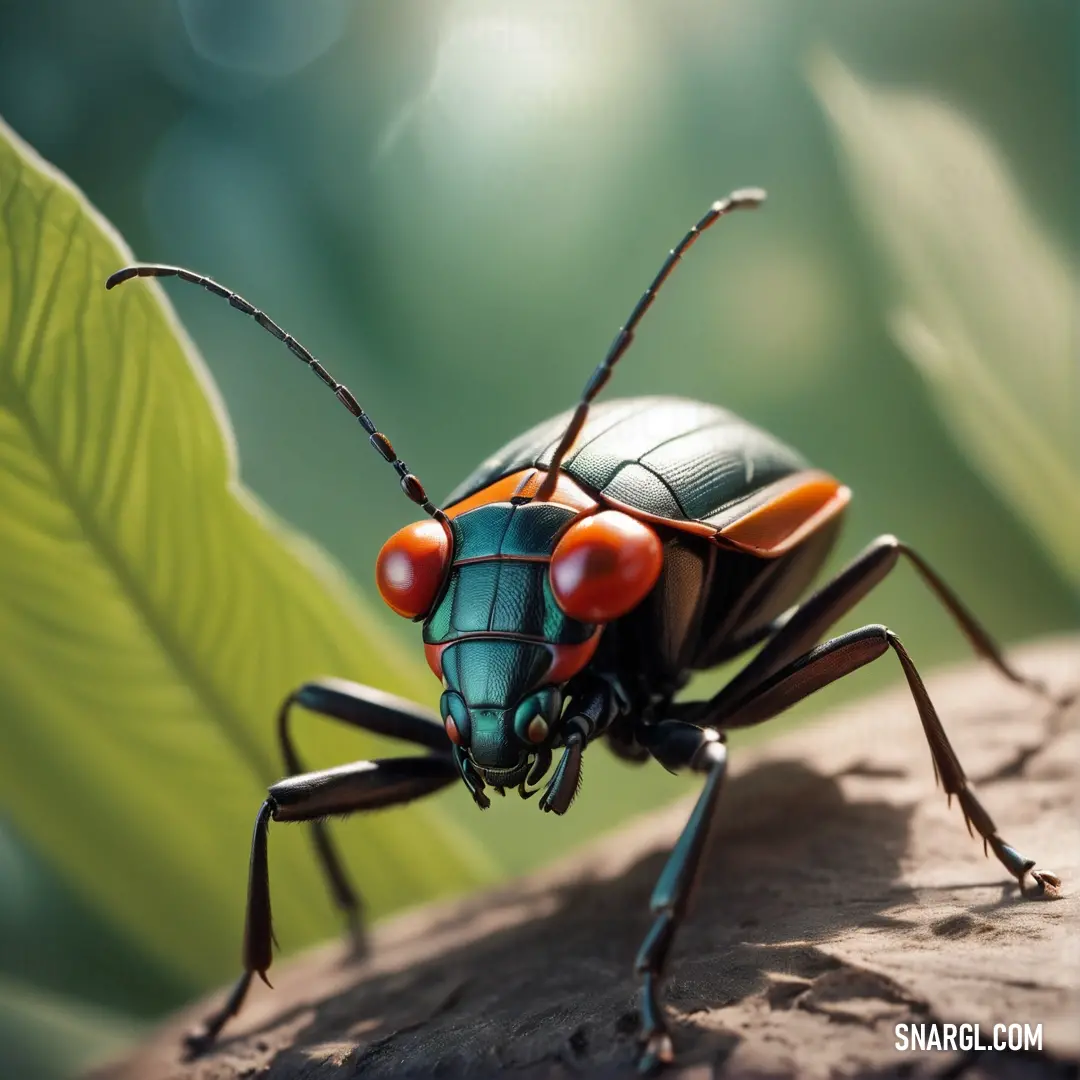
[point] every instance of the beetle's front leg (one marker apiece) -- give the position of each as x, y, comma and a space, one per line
676, 745
363, 785
591, 711
367, 709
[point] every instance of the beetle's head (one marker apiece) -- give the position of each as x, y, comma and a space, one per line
501, 712
514, 597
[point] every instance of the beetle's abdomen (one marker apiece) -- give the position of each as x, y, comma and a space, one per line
669, 459
694, 467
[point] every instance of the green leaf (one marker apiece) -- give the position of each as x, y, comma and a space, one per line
51, 1038
153, 616
984, 302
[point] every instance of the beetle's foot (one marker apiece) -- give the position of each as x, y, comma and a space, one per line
1066, 698
656, 1053
1047, 886
198, 1041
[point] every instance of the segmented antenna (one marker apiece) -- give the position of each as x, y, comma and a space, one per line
409, 483
743, 199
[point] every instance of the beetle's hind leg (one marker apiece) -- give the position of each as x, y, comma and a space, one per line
370, 710
364, 785
841, 656
788, 669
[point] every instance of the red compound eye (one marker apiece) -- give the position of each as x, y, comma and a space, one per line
604, 566
452, 731
410, 568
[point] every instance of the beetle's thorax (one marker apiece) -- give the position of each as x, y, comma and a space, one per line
497, 590
498, 640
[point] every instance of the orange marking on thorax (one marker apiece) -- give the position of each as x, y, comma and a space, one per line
566, 660
525, 483
783, 522
433, 656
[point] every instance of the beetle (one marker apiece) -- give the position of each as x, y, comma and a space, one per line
567, 589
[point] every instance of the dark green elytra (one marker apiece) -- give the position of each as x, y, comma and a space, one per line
670, 458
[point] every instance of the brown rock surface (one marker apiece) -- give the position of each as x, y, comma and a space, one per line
841, 896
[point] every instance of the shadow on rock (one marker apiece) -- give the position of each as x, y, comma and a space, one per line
790, 863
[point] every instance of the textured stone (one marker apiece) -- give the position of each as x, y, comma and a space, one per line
841, 896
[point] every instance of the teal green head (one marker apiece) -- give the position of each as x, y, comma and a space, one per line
514, 596
501, 644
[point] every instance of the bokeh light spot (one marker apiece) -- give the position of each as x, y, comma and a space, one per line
267, 38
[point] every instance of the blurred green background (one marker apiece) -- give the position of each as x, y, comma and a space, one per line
455, 204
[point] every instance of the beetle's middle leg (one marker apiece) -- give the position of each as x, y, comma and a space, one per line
676, 745
371, 710
363, 785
